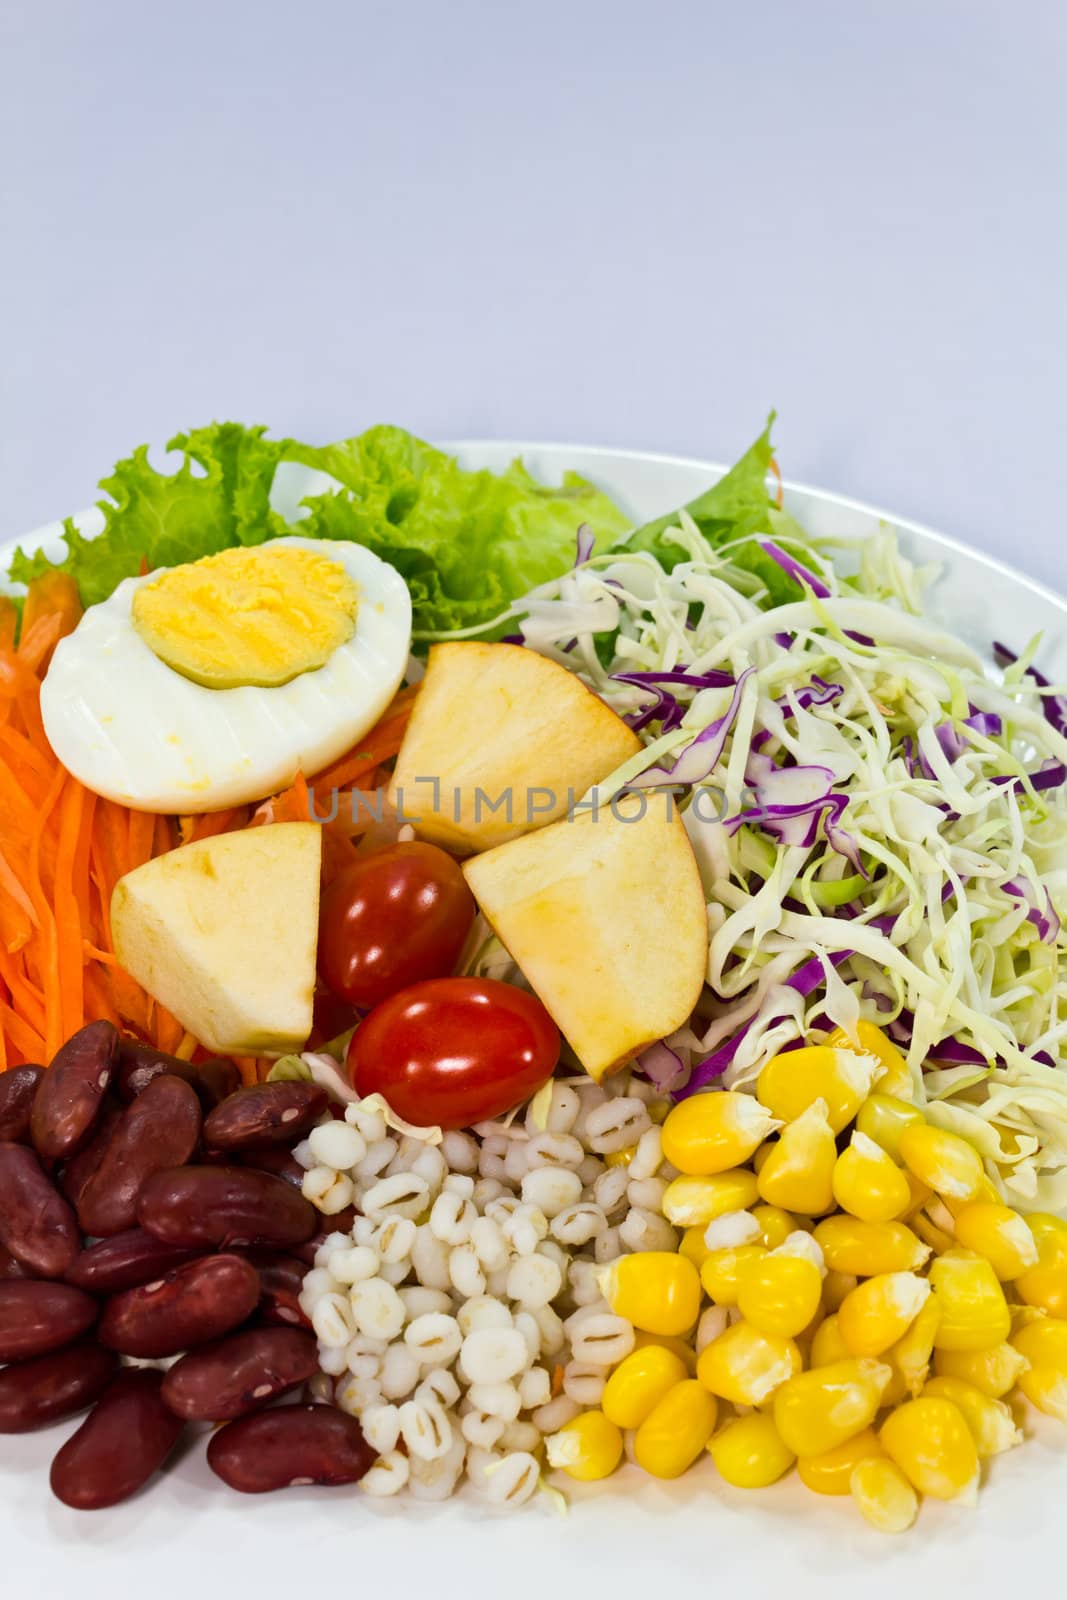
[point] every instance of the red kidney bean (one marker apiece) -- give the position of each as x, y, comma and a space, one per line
240, 1374
289, 1447
189, 1306
80, 1169
126, 1437
125, 1261
140, 1064
281, 1279
265, 1113
160, 1129
273, 1158
18, 1089
340, 1222
37, 1225
72, 1091
36, 1317
49, 1388
206, 1206
11, 1268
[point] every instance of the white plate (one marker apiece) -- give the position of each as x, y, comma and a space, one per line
189, 1536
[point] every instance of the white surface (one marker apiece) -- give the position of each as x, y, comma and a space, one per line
633, 223
634, 1539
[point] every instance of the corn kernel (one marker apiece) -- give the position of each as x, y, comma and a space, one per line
831, 1472
1044, 1284
868, 1183
779, 1293
621, 1158
721, 1272
745, 1366
880, 1311
798, 1173
1043, 1343
793, 1081
828, 1347
587, 1448
974, 1312
656, 1290
749, 1452
883, 1118
895, 1077
694, 1202
932, 1445
999, 1234
679, 1347
988, 1194
672, 1435
995, 1371
639, 1383
775, 1225
816, 1411
919, 1195
692, 1245
714, 1132
944, 1161
931, 1233
912, 1354
990, 1421
883, 1495
868, 1248
835, 1286
759, 1160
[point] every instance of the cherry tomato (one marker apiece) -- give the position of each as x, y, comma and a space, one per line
454, 1051
392, 919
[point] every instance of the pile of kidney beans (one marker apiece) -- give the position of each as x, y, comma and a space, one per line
150, 1209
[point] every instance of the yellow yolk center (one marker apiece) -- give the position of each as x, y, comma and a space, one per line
248, 617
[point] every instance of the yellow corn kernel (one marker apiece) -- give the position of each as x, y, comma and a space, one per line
974, 1312
931, 1233
694, 1202
714, 1132
656, 1290
1043, 1343
912, 1354
1000, 1234
760, 1158
932, 1445
721, 1272
868, 1248
745, 1366
620, 1158
793, 1081
818, 1410
678, 1347
988, 1194
775, 1225
895, 1077
1044, 1284
868, 1184
672, 1435
587, 1448
828, 1347
830, 1472
883, 1495
880, 1311
692, 1246
883, 1118
990, 1421
798, 1173
944, 1161
750, 1453
639, 1383
779, 1293
919, 1195
835, 1286
995, 1371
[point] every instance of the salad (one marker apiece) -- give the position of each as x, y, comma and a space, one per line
488, 993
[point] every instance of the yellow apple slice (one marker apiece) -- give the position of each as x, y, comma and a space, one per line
606, 917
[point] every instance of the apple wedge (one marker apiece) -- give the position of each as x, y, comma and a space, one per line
501, 741
224, 932
605, 915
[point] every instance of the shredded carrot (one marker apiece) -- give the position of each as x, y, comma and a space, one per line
54, 595
9, 622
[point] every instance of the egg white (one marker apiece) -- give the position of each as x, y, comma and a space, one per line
132, 729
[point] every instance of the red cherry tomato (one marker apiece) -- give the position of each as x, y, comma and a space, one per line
454, 1051
392, 919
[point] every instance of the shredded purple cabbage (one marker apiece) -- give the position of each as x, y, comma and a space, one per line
796, 821
585, 541
795, 569
1053, 705
665, 707
860, 638
1043, 916
784, 640
701, 756
662, 1066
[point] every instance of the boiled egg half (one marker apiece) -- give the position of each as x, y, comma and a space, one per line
212, 684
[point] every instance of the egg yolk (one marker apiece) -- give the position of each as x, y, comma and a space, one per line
248, 617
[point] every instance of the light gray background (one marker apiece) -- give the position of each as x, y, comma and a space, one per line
615, 223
